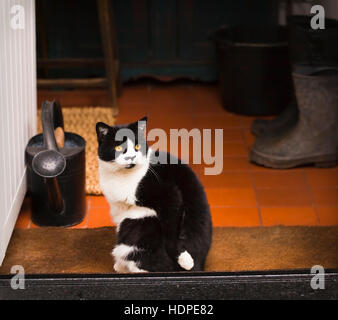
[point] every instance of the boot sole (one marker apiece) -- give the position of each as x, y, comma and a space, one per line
324, 161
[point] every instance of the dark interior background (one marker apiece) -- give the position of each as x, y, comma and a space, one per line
158, 38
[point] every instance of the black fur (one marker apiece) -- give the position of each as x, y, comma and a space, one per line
183, 220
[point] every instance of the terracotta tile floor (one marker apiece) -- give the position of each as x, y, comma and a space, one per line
243, 194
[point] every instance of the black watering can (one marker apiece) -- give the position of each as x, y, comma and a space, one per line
56, 172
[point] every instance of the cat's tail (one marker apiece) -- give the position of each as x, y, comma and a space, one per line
185, 260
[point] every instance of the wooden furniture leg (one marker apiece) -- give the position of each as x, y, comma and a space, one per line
108, 39
112, 80
43, 43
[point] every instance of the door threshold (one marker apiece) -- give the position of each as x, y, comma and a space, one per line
277, 284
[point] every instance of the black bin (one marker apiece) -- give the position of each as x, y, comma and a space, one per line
254, 69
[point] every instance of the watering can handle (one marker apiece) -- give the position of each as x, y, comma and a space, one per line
51, 119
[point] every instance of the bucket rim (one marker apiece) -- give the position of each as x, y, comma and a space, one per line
225, 41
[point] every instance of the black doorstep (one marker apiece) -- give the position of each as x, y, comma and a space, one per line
291, 284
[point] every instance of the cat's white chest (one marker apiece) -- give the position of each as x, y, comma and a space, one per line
119, 188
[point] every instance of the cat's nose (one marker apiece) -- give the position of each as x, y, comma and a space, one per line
130, 158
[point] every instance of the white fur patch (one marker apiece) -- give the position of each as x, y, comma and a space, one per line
122, 265
119, 186
134, 212
185, 260
121, 251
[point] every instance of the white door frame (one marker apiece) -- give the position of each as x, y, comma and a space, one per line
17, 107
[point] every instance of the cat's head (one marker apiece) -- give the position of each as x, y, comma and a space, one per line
123, 147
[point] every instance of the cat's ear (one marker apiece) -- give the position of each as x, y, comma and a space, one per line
139, 125
142, 123
102, 130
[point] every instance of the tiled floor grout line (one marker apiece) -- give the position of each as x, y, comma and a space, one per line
308, 188
256, 199
253, 182
89, 207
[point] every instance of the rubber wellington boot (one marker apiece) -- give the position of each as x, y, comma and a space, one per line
289, 116
286, 119
313, 139
309, 49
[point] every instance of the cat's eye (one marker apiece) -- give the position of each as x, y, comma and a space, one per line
118, 148
138, 147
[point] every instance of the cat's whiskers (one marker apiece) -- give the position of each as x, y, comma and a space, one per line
154, 173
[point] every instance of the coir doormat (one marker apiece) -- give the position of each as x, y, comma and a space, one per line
59, 250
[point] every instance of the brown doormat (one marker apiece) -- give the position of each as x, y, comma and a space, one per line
58, 250
82, 121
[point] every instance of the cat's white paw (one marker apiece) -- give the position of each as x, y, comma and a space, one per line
122, 264
120, 268
185, 260
134, 268
127, 266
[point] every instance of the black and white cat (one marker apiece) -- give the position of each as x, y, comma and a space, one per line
161, 210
